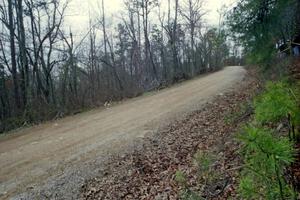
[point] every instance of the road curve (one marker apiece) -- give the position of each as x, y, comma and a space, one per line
30, 156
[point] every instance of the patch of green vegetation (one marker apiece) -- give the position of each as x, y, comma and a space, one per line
204, 162
181, 179
276, 103
267, 154
186, 193
206, 176
265, 157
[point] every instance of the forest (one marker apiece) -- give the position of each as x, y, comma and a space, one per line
46, 72
216, 113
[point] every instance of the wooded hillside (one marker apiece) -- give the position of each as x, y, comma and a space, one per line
46, 71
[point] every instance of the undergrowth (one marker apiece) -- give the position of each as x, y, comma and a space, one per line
267, 152
265, 156
205, 174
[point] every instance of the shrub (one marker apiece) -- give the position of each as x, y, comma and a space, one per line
265, 158
276, 103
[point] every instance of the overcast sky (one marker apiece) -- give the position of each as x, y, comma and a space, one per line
78, 11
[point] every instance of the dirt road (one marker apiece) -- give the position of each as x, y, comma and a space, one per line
30, 157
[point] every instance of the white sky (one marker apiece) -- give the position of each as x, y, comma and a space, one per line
78, 11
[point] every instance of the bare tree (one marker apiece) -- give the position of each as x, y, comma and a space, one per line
146, 7
171, 29
11, 25
47, 71
193, 12
24, 68
109, 58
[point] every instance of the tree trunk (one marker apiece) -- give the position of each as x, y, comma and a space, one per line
13, 54
148, 54
23, 58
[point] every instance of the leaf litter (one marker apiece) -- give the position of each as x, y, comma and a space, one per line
148, 172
